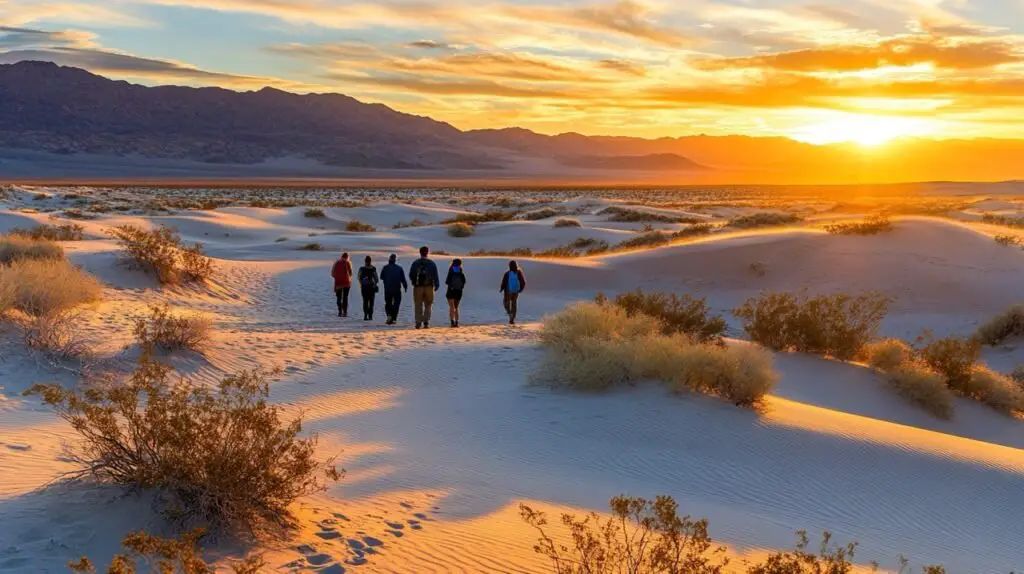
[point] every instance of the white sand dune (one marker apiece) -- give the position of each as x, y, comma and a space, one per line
442, 436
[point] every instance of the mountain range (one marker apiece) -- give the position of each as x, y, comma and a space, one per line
57, 113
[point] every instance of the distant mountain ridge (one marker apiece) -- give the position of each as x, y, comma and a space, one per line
49, 108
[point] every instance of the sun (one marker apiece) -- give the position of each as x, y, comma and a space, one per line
866, 130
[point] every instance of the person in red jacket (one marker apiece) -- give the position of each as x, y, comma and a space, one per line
342, 273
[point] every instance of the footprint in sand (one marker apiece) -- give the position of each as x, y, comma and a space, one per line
329, 534
332, 569
396, 533
19, 446
394, 525
319, 559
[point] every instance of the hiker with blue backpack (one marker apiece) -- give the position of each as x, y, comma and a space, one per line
368, 281
512, 284
425, 281
456, 282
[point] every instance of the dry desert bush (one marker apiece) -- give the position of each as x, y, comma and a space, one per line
568, 222
871, 226
996, 390
538, 214
16, 247
356, 226
764, 219
953, 358
171, 556
416, 222
63, 232
488, 216
1008, 240
649, 537
314, 213
838, 325
461, 229
162, 252
311, 247
1009, 323
918, 383
678, 314
887, 354
596, 347
171, 332
220, 457
624, 215
42, 287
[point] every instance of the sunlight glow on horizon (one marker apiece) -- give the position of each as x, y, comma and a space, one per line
866, 130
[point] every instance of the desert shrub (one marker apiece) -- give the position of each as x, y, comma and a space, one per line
538, 214
565, 330
179, 556
46, 231
460, 229
758, 269
686, 315
16, 247
954, 359
741, 374
416, 222
641, 537
78, 214
624, 215
1008, 240
312, 212
764, 219
887, 354
1008, 324
832, 325
485, 217
280, 240
871, 226
652, 239
56, 335
918, 383
998, 391
311, 247
590, 244
568, 222
827, 560
42, 287
221, 457
1003, 220
356, 226
163, 329
1017, 376
162, 252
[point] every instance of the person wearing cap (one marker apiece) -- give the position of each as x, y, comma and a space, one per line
393, 277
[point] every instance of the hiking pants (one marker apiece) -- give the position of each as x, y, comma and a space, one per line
392, 302
511, 304
342, 295
423, 301
369, 296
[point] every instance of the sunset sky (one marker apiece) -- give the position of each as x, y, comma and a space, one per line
813, 70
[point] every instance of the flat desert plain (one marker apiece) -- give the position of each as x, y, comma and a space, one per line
442, 433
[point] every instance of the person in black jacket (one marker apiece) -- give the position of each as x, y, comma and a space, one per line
393, 278
368, 281
456, 282
512, 284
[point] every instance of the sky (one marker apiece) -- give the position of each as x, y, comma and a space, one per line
819, 71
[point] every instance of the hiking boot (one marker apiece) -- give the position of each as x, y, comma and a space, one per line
340, 314
419, 325
511, 320
426, 325
453, 323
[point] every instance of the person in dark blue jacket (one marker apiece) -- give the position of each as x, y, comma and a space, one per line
424, 279
393, 278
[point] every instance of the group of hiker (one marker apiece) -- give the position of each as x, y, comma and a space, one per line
425, 282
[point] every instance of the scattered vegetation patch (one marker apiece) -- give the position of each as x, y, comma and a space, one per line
181, 556
162, 252
488, 216
165, 330
17, 248
461, 229
918, 383
48, 232
1007, 324
873, 225
625, 215
538, 214
77, 214
953, 358
356, 226
678, 315
567, 222
1005, 221
996, 390
887, 354
1008, 240
44, 287
764, 219
416, 222
280, 240
837, 325
311, 247
312, 212
220, 457
596, 347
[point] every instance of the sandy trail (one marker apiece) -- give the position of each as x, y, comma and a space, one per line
442, 435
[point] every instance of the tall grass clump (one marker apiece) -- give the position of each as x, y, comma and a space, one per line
678, 314
221, 457
163, 329
919, 384
765, 219
44, 287
17, 247
356, 226
599, 346
162, 252
887, 354
461, 229
996, 390
63, 232
873, 225
1007, 324
837, 325
567, 222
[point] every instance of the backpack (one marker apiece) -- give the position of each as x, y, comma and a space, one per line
422, 276
458, 281
366, 277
